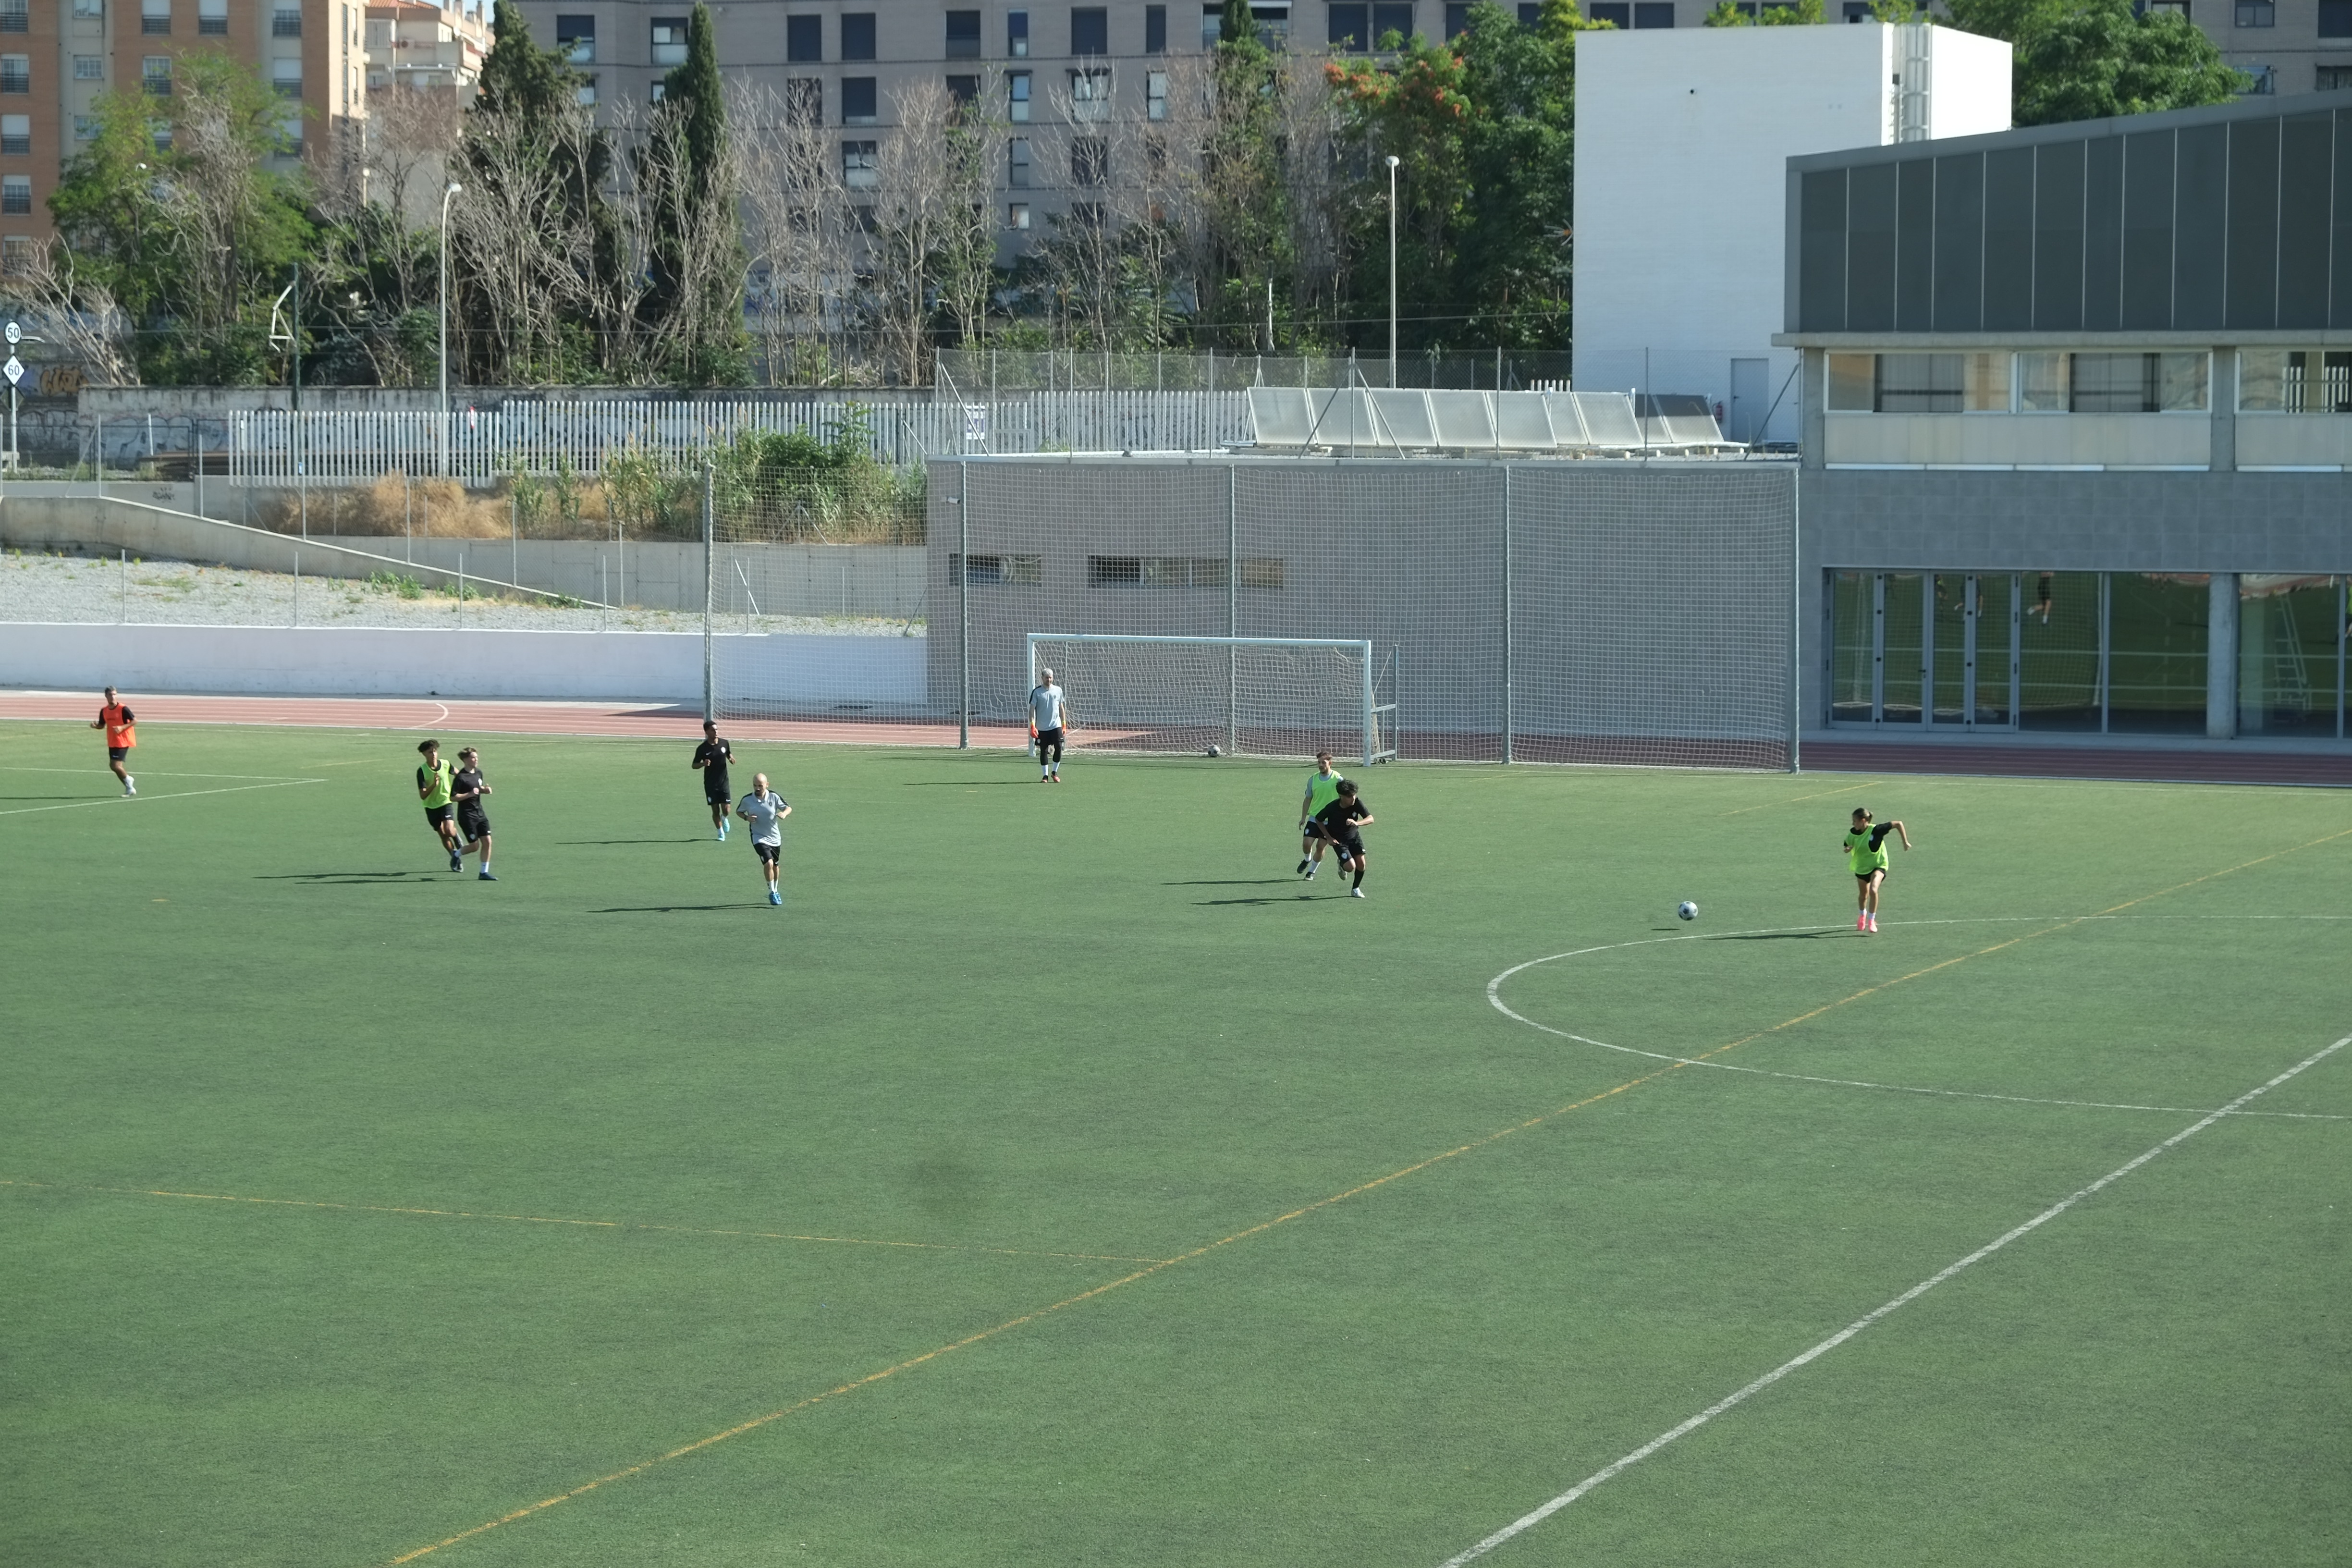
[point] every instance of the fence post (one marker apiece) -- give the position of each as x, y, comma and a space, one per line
963, 602
1233, 618
709, 665
1797, 620
1506, 612
514, 533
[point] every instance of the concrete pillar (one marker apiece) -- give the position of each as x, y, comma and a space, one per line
2224, 400
1813, 401
2222, 658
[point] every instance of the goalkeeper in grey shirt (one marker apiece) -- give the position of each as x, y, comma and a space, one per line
1049, 715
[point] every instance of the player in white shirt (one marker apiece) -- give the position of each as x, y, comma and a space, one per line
1049, 711
765, 810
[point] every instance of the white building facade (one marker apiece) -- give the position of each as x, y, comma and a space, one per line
1682, 137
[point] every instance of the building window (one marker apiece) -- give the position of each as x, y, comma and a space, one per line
1016, 163
964, 89
1458, 18
2257, 14
1529, 15
1089, 161
1016, 216
1090, 95
803, 40
286, 22
16, 193
1089, 30
2335, 19
16, 74
669, 40
861, 166
2332, 78
963, 35
1349, 26
1155, 94
14, 17
1155, 30
1919, 383
286, 78
858, 100
159, 131
585, 95
576, 37
89, 68
2295, 381
857, 36
1016, 35
16, 257
1000, 570
1213, 26
1619, 15
2263, 80
1016, 97
17, 134
92, 8
212, 17
155, 15
2176, 8
1655, 13
2111, 383
804, 101
85, 127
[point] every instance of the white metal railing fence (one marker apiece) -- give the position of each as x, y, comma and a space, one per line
276, 447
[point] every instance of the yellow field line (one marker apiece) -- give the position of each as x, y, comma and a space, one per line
584, 1224
1791, 800
757, 1422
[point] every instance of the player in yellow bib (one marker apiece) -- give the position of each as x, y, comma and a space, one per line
1322, 789
435, 782
1865, 855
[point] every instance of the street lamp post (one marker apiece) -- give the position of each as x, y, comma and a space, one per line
454, 187
1392, 161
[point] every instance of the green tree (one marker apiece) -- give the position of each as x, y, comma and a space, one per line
2094, 59
174, 210
696, 261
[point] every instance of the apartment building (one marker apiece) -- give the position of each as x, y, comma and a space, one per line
843, 60
417, 45
56, 57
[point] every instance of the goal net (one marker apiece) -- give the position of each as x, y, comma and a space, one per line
1270, 696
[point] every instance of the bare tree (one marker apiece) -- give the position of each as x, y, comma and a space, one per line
80, 318
509, 233
913, 194
798, 234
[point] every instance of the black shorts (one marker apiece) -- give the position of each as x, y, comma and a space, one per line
1875, 871
715, 792
435, 816
1052, 737
474, 824
1351, 844
768, 853
116, 753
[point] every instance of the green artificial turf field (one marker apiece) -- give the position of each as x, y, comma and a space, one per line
352, 1205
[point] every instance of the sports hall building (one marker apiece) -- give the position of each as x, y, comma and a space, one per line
2077, 415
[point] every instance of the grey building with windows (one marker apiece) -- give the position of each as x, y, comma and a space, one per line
2077, 412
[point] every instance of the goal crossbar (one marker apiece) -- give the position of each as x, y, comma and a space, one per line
1377, 719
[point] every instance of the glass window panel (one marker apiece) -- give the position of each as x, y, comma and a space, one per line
2041, 383
1919, 383
2112, 383
2261, 377
2058, 651
1987, 384
2179, 380
2334, 382
2287, 671
1948, 628
1904, 616
1850, 380
1850, 647
2155, 652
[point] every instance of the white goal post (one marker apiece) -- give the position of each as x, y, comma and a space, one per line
1245, 696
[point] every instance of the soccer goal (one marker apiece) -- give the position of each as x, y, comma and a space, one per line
1268, 697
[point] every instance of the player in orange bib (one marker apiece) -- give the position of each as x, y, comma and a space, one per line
115, 719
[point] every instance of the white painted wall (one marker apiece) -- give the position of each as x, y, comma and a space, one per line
662, 666
1682, 137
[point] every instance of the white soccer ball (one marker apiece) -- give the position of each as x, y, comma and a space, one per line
1214, 752
1687, 910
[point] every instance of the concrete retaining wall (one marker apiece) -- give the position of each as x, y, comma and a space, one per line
785, 579
661, 667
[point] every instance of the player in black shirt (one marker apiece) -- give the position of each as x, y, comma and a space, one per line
469, 790
712, 757
1337, 823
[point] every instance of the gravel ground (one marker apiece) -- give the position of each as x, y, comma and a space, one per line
35, 587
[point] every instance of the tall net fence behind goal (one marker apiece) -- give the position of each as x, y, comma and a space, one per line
1235, 696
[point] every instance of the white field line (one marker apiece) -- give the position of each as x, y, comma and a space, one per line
1528, 1520
1494, 996
275, 778
136, 799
